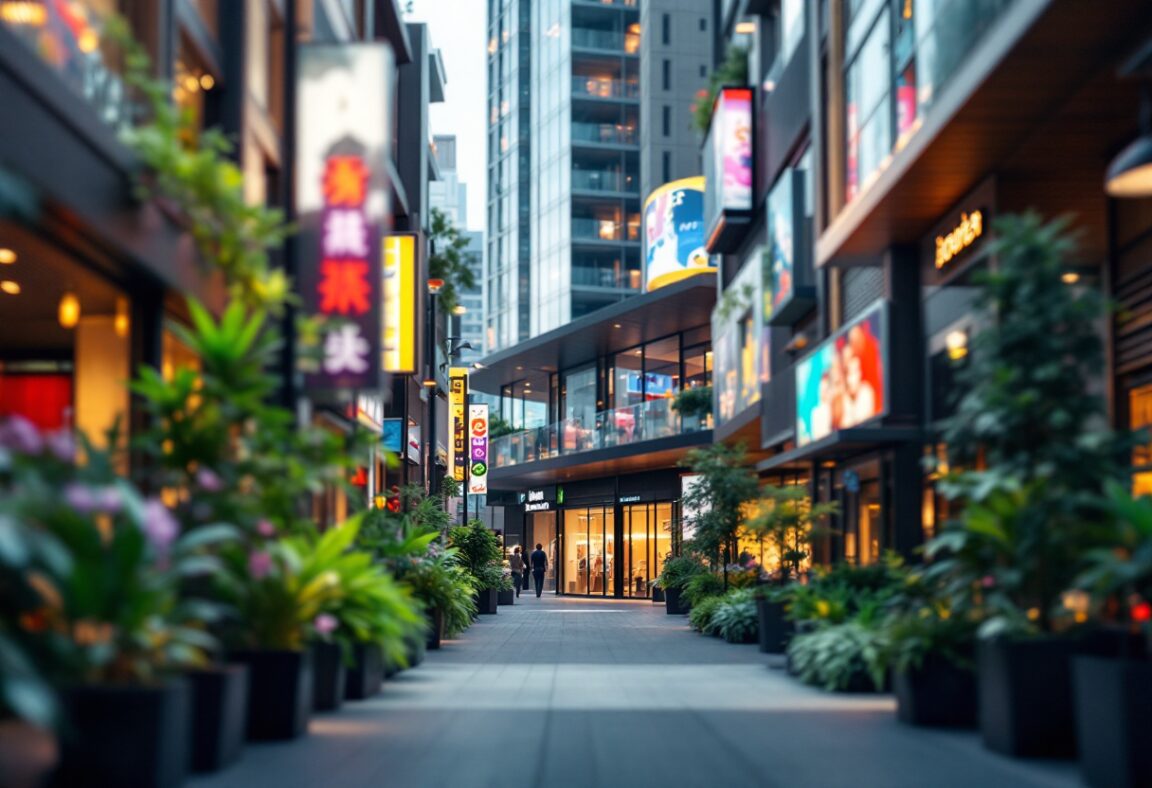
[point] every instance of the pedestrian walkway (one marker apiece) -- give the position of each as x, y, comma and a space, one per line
573, 692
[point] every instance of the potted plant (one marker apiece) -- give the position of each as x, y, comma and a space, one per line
789, 522
694, 404
479, 552
1113, 691
725, 486
507, 594
446, 590
735, 618
1030, 416
673, 577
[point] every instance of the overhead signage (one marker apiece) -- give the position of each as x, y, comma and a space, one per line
392, 432
674, 233
728, 160
370, 411
478, 449
400, 294
541, 499
342, 202
458, 404
963, 235
629, 499
539, 506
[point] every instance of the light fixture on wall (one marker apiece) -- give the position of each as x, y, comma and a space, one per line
7, 256
122, 321
68, 312
956, 342
459, 309
1130, 173
24, 13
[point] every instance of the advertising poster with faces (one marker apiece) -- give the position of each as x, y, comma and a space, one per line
740, 340
841, 384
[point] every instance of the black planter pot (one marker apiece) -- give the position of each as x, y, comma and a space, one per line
279, 693
657, 594
125, 735
435, 628
938, 693
506, 597
362, 679
219, 716
328, 674
487, 601
1025, 697
673, 604
1114, 721
775, 629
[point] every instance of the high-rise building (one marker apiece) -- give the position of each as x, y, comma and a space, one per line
564, 162
676, 57
449, 194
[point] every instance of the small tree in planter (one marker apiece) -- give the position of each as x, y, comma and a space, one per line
674, 578
694, 403
725, 487
479, 552
1030, 414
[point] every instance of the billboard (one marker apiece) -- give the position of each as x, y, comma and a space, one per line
478, 449
841, 384
728, 169
342, 113
674, 233
457, 412
392, 433
400, 298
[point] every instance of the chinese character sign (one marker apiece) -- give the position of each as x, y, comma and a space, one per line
478, 449
458, 404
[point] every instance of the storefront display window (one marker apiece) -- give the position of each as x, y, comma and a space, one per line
740, 337
647, 545
589, 551
579, 427
1140, 418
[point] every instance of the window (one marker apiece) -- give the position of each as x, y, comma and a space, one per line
703, 24
666, 30
791, 27
867, 116
667, 75
667, 165
667, 121
703, 70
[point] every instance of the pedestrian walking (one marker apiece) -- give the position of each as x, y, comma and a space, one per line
539, 565
518, 567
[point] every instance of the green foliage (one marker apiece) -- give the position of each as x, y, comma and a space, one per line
447, 261
720, 496
835, 656
478, 547
837, 594
789, 521
702, 586
702, 614
498, 427
1119, 576
736, 618
919, 621
441, 584
732, 72
678, 571
694, 402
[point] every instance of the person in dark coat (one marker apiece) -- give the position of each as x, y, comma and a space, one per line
539, 561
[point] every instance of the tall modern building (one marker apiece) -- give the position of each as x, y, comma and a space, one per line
564, 162
448, 193
677, 52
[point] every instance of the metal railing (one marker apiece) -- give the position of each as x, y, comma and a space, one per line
603, 181
590, 276
606, 133
605, 88
619, 427
604, 230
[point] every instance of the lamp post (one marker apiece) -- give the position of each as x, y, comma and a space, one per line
430, 380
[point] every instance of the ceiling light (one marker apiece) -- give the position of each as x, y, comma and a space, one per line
1070, 278
616, 325
7, 256
1130, 173
68, 312
10, 287
429, 383
519, 369
745, 28
957, 344
207, 81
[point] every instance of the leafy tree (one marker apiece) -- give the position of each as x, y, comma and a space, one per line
447, 259
790, 522
725, 487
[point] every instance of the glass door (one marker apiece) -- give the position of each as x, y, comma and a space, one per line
647, 545
589, 548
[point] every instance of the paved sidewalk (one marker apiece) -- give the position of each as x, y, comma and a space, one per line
572, 692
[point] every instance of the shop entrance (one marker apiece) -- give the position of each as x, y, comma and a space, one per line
589, 564
542, 530
864, 533
647, 542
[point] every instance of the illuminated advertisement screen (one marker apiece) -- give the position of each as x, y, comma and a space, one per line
400, 296
781, 242
478, 449
733, 148
657, 385
841, 384
674, 233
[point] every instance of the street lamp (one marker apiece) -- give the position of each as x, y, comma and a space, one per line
430, 382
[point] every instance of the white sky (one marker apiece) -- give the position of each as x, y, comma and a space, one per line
458, 28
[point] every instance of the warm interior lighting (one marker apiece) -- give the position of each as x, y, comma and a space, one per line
957, 344
1130, 173
459, 309
89, 41
30, 13
10, 287
429, 383
745, 28
68, 313
122, 321
7, 256
1070, 278
616, 325
207, 81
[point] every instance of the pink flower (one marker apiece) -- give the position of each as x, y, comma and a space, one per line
81, 497
325, 623
265, 529
108, 499
21, 436
208, 480
160, 526
259, 564
988, 581
61, 445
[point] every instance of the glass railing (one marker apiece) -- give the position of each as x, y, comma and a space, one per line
604, 87
604, 230
625, 3
603, 181
606, 133
620, 427
597, 39
590, 276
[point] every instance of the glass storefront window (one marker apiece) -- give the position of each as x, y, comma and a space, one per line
1140, 418
579, 427
589, 551
867, 118
646, 546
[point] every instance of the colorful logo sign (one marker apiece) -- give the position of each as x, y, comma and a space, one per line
399, 340
674, 233
841, 383
478, 449
458, 405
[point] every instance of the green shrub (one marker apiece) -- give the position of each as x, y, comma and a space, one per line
835, 655
735, 618
703, 586
677, 572
702, 616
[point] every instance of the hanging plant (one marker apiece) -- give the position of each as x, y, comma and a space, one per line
733, 71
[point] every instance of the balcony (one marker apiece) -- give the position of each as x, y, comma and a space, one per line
604, 230
604, 181
620, 427
606, 40
604, 88
590, 276
604, 133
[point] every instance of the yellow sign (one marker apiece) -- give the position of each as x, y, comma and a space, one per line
458, 405
962, 236
399, 340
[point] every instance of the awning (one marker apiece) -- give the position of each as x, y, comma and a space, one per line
840, 445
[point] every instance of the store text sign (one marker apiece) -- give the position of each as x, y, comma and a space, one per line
478, 449
458, 403
399, 340
963, 235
